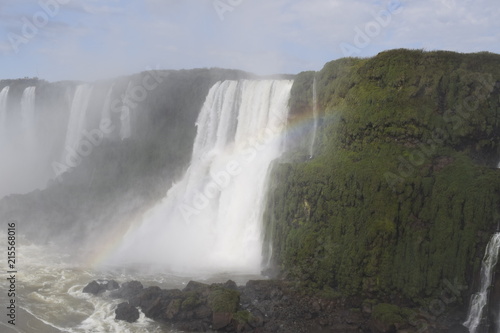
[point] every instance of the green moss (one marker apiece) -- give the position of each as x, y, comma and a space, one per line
191, 301
223, 300
389, 314
243, 317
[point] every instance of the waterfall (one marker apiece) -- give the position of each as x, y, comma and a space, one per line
3, 110
479, 301
125, 128
106, 109
315, 115
28, 115
77, 118
211, 219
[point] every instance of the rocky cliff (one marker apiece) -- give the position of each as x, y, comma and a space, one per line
403, 193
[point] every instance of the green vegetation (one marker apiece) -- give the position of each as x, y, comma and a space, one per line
243, 317
223, 300
402, 192
389, 314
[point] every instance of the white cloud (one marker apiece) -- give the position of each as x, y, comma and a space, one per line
259, 35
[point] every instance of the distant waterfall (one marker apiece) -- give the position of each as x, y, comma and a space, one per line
28, 115
211, 219
315, 115
125, 128
106, 109
479, 301
3, 110
77, 118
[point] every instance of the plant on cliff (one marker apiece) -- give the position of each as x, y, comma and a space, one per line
402, 193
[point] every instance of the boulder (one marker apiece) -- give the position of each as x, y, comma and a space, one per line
196, 286
97, 287
126, 312
92, 288
112, 285
221, 320
128, 290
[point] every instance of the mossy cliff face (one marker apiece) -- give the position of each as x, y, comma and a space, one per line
402, 194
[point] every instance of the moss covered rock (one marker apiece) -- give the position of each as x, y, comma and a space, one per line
402, 194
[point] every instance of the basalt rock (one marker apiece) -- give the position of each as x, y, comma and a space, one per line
97, 287
126, 312
270, 306
128, 290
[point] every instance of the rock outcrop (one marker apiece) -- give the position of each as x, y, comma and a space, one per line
266, 306
100, 286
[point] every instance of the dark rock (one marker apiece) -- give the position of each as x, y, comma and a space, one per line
202, 312
221, 320
128, 290
126, 312
196, 286
92, 288
379, 326
230, 284
458, 329
97, 287
193, 326
152, 300
112, 285
173, 308
256, 321
271, 272
144, 298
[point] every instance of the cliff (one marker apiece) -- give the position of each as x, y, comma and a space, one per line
402, 193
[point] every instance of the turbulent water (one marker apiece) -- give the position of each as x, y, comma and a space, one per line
49, 294
479, 301
211, 219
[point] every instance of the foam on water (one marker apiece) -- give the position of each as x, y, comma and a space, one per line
50, 289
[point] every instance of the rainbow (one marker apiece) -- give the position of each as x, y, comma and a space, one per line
109, 243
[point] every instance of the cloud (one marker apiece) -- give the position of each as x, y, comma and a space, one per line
99, 37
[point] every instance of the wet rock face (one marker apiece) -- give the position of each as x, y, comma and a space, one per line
128, 290
97, 287
265, 306
126, 312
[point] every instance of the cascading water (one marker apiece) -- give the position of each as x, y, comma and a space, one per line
479, 301
77, 118
28, 115
125, 128
106, 109
211, 219
3, 109
315, 115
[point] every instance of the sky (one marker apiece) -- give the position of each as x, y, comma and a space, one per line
96, 39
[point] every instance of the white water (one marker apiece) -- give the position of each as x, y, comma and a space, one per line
106, 109
28, 116
479, 301
49, 294
19, 146
4, 94
77, 118
125, 128
211, 219
315, 115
